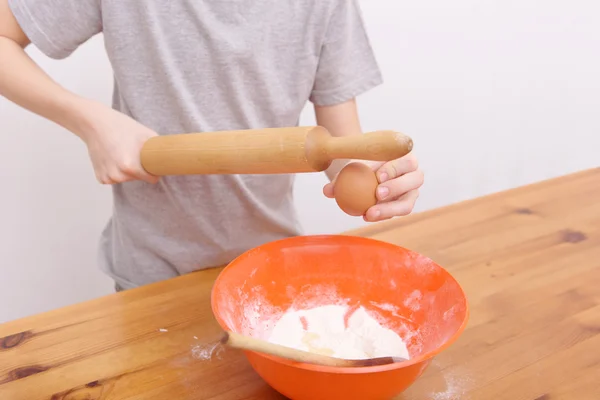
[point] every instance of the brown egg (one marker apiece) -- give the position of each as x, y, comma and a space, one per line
354, 189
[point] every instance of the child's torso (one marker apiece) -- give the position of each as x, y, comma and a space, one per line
212, 65
193, 66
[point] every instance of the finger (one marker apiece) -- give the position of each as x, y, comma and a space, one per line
105, 180
134, 170
146, 177
110, 178
398, 167
400, 207
139, 173
328, 190
120, 177
375, 165
152, 179
395, 188
102, 179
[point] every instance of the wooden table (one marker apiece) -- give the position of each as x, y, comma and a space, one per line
528, 259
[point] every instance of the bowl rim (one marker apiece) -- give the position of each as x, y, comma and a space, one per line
345, 370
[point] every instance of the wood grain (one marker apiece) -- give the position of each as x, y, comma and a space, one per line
528, 259
266, 151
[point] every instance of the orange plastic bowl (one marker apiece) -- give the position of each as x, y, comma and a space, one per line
406, 291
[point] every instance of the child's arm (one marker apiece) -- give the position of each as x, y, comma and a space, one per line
113, 140
339, 120
23, 82
347, 68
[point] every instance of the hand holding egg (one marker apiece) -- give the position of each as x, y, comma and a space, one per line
377, 190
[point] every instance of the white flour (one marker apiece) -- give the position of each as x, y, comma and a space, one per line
322, 330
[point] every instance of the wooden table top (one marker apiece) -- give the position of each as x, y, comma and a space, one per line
528, 259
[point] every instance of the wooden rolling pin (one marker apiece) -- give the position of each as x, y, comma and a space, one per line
266, 151
237, 341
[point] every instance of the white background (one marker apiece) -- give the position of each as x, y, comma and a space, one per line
495, 94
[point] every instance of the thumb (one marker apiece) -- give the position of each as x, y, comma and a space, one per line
328, 190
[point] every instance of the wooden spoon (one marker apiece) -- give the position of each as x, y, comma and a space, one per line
241, 342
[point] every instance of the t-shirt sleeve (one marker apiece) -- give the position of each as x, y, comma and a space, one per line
58, 27
347, 65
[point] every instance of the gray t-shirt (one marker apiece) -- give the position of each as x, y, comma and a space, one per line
196, 66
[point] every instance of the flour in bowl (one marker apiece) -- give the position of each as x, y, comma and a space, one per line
323, 330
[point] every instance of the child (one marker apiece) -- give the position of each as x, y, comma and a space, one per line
193, 66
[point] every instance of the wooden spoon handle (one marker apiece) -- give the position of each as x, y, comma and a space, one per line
237, 341
373, 146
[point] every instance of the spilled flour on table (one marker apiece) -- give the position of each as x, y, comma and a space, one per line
457, 384
206, 352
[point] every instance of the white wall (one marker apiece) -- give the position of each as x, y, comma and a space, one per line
494, 93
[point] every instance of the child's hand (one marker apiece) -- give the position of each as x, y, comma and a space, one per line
114, 142
398, 190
